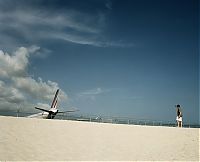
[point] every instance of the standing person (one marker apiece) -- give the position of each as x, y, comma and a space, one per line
179, 117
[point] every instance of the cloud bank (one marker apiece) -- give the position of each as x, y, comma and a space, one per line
16, 85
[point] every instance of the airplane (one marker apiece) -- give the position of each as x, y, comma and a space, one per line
52, 112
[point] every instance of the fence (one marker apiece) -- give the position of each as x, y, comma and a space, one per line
104, 119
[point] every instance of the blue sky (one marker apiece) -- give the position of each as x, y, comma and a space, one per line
135, 58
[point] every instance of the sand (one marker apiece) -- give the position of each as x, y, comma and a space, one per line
60, 140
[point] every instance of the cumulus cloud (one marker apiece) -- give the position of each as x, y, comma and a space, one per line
38, 89
17, 87
14, 65
10, 94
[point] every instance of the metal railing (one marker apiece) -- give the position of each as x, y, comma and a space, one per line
104, 119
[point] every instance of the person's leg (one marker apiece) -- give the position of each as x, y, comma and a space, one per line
179, 123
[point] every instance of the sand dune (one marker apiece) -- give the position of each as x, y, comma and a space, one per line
37, 139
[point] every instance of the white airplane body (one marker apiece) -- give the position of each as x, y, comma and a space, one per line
52, 112
42, 115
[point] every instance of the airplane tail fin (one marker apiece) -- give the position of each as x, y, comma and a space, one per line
55, 100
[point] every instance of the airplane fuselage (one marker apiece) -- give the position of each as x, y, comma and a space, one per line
44, 115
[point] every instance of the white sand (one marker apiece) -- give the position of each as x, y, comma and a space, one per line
38, 139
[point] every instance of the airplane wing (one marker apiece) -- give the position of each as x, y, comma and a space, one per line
42, 109
67, 111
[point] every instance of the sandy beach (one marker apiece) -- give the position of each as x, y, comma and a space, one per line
61, 140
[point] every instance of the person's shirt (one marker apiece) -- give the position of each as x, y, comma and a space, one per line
178, 112
180, 115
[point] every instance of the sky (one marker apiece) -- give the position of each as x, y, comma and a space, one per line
132, 58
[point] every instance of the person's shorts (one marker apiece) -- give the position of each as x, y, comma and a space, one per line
179, 119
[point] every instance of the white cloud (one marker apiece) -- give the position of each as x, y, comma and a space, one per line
17, 87
69, 19
33, 49
92, 93
95, 91
73, 26
14, 65
10, 94
42, 53
75, 39
43, 105
38, 88
35, 22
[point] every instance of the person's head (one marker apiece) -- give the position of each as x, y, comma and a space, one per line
178, 107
